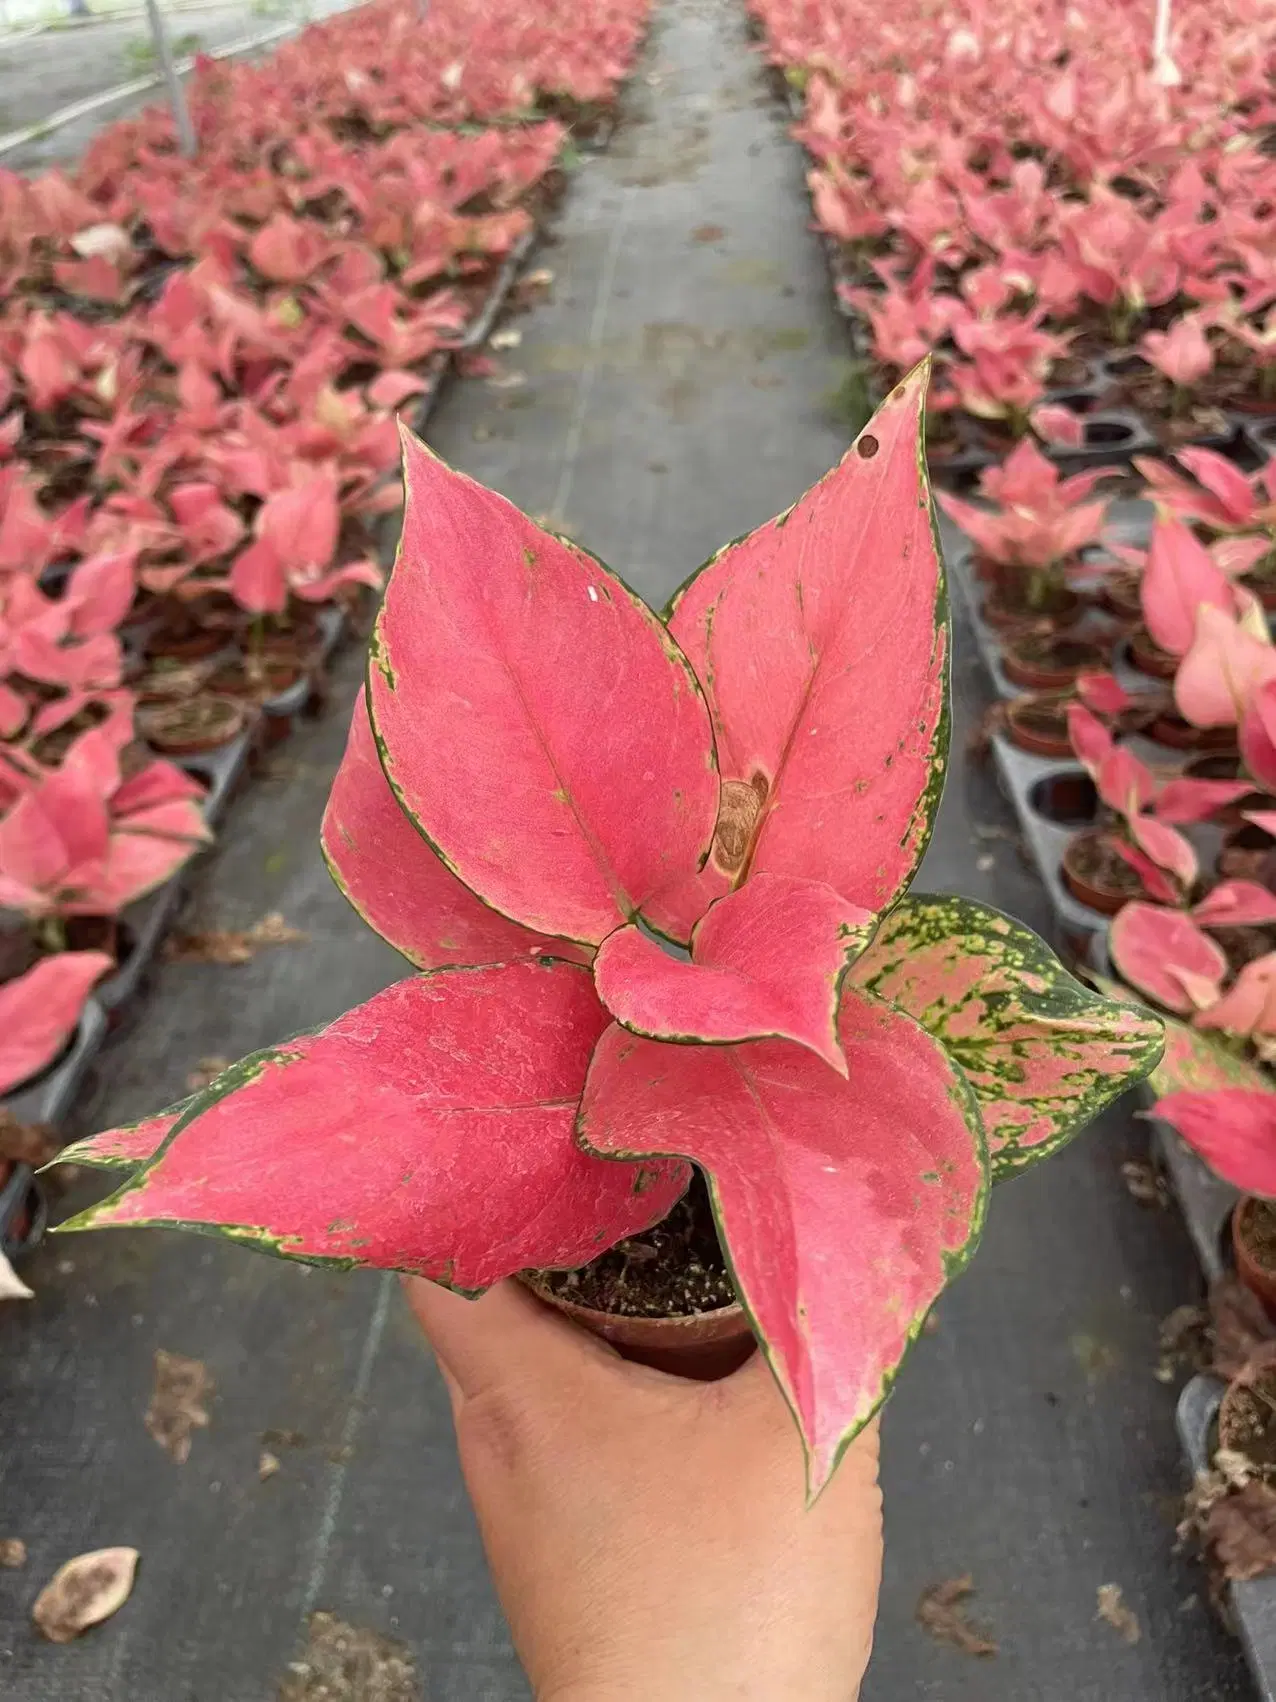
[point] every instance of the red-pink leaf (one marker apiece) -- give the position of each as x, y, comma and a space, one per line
1234, 1131
533, 716
1149, 945
1125, 784
1103, 693
1155, 882
130, 1145
429, 1130
1236, 904
1257, 735
397, 884
257, 579
829, 618
1249, 1004
766, 962
39, 1010
1043, 1054
843, 1206
1186, 800
1091, 741
1166, 846
1180, 577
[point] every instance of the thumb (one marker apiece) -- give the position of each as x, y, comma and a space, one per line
506, 1336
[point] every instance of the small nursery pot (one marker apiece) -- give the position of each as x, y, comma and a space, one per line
1171, 729
192, 724
1248, 853
1149, 658
1097, 874
1038, 723
1120, 596
700, 1345
1047, 662
1255, 1260
1003, 611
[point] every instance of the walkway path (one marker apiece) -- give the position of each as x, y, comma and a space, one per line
675, 396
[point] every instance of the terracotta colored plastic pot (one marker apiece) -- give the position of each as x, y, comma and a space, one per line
1120, 596
1037, 723
192, 724
1171, 729
1049, 664
1149, 658
1257, 1275
1107, 896
1248, 853
702, 1345
1004, 613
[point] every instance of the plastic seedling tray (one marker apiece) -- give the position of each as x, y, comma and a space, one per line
479, 328
147, 921
219, 770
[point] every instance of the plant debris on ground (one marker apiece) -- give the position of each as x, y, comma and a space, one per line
941, 1612
178, 1402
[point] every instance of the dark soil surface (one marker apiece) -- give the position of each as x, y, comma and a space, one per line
669, 1271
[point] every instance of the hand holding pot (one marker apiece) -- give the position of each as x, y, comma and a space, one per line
648, 1535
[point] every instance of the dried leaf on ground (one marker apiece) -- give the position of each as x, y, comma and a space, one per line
13, 1552
1121, 1618
207, 1070
1238, 1327
1239, 1531
26, 1143
84, 1592
940, 1612
233, 945
512, 380
708, 233
182, 1386
1145, 1183
508, 337
347, 1663
12, 1286
267, 1465
1184, 1343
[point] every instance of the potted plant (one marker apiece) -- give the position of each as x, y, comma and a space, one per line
543, 783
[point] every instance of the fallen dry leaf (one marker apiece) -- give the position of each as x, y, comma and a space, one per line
940, 1612
177, 1402
267, 1465
84, 1592
1238, 1327
509, 337
1145, 1183
513, 380
1239, 1530
13, 1553
232, 945
207, 1070
26, 1143
1183, 1343
1121, 1618
708, 233
346, 1663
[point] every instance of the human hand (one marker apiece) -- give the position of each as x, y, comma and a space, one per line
648, 1535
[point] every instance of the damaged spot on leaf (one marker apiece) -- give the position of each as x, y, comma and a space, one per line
739, 807
867, 447
182, 1386
84, 1592
233, 945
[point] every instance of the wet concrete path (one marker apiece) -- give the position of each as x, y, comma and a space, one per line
671, 394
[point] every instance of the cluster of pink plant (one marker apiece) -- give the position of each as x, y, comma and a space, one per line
1026, 184
200, 367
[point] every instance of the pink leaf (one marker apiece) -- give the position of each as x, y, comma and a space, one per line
429, 1130
766, 962
1221, 671
1089, 738
257, 579
1150, 945
129, 1146
533, 716
301, 524
1266, 819
1236, 904
40, 1009
829, 617
888, 1167
1156, 884
1223, 480
1186, 800
1103, 693
1043, 1054
1125, 784
1234, 1131
1257, 735
101, 592
1181, 577
399, 886
1249, 1004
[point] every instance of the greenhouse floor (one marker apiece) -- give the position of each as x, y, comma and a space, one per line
673, 392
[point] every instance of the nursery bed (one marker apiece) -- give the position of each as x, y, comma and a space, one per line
674, 384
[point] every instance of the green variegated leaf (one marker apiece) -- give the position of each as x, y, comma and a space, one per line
1043, 1053
1193, 1061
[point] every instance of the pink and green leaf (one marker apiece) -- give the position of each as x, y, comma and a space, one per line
388, 872
429, 1130
766, 963
821, 640
1043, 1054
535, 719
131, 1145
843, 1206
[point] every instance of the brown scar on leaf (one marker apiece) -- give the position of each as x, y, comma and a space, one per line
739, 807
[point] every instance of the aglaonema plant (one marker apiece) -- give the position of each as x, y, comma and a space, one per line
544, 780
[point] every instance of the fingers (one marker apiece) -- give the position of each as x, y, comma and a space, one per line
505, 1336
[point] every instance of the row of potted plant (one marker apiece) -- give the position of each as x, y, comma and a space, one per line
1058, 216
1163, 708
201, 362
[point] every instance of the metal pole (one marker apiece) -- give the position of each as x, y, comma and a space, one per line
176, 93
